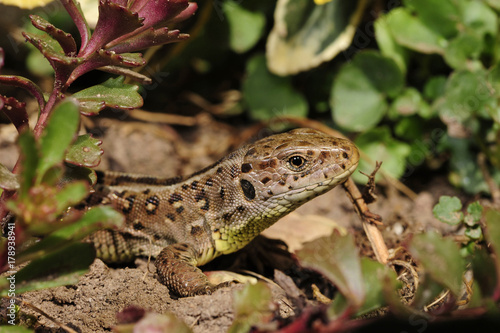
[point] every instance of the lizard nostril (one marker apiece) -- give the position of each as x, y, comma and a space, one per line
345, 155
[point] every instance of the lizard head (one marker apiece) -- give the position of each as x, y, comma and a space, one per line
286, 170
278, 174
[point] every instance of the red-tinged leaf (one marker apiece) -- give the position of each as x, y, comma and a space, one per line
2, 56
146, 39
112, 93
22, 82
131, 314
107, 58
74, 10
374, 276
154, 322
85, 151
15, 111
63, 65
96, 218
64, 39
251, 307
114, 21
157, 12
336, 257
124, 59
186, 13
37, 208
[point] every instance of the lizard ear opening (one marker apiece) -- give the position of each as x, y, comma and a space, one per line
248, 189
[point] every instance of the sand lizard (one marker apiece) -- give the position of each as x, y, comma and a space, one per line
187, 222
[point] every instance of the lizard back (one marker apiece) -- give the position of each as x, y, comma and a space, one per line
221, 208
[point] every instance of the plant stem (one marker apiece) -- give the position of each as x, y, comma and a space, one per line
46, 111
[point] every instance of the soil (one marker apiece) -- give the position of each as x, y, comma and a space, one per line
140, 147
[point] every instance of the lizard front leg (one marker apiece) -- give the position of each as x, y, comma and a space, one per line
175, 266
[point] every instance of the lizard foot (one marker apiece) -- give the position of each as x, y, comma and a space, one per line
175, 268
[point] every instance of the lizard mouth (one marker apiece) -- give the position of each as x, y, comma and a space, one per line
303, 193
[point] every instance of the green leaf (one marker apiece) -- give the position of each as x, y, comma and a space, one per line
14, 329
474, 233
493, 236
245, 27
462, 49
37, 64
475, 212
65, 40
407, 103
392, 297
374, 275
494, 78
73, 172
381, 146
29, 161
466, 93
251, 305
480, 18
495, 4
413, 128
448, 210
52, 51
336, 257
440, 258
112, 93
269, 96
435, 87
8, 180
428, 290
483, 266
85, 151
59, 268
410, 31
71, 194
94, 219
464, 169
388, 45
58, 134
442, 17
305, 34
359, 92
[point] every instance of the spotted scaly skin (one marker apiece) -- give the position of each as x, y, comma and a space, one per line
186, 223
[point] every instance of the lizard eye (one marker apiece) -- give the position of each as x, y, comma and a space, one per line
296, 162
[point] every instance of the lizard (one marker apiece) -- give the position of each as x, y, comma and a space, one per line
187, 222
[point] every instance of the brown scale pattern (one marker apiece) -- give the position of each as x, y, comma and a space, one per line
186, 222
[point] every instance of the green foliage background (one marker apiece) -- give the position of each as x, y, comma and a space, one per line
418, 87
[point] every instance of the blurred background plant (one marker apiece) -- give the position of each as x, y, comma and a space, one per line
417, 85
54, 170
